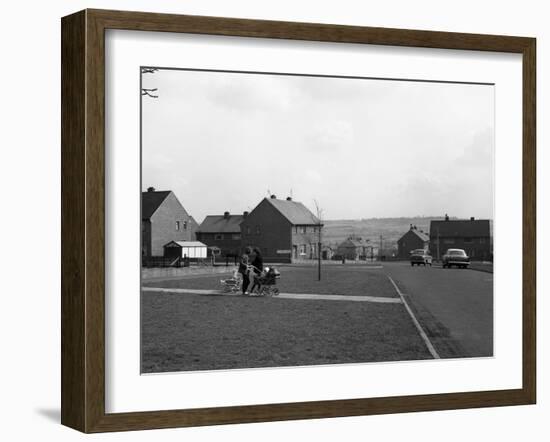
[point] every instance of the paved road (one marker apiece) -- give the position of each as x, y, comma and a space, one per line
454, 306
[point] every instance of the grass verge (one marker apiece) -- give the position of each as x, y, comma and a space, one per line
194, 332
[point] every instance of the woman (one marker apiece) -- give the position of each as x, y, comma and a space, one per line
243, 269
257, 267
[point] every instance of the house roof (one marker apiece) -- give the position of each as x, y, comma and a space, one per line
150, 202
422, 235
187, 243
221, 224
294, 211
460, 228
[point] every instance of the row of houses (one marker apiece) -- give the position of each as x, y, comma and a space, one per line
472, 235
283, 230
286, 230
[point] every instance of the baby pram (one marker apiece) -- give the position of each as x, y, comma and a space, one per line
233, 284
267, 281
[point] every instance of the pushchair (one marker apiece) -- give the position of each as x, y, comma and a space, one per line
233, 284
267, 282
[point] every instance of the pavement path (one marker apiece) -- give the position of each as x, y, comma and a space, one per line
304, 296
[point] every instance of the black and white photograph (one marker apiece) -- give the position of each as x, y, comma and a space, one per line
292, 220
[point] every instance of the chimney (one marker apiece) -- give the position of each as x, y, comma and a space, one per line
273, 197
472, 218
411, 227
446, 217
245, 214
289, 198
226, 215
150, 189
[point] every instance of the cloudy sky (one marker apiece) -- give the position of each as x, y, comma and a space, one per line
363, 148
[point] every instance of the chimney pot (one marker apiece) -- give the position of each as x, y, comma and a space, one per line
150, 189
245, 214
273, 197
472, 218
289, 198
226, 215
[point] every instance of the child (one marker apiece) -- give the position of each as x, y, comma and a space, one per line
244, 269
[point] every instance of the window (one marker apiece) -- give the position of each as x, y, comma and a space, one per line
456, 253
468, 240
302, 249
304, 229
482, 240
218, 236
185, 225
248, 230
177, 226
313, 253
257, 230
448, 241
295, 229
236, 236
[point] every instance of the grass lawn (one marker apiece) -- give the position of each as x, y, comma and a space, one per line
194, 332
336, 280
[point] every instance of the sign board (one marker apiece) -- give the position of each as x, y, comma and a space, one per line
283, 252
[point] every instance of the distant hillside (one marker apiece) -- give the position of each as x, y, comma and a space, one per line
391, 229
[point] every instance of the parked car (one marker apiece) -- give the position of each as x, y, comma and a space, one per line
421, 257
456, 257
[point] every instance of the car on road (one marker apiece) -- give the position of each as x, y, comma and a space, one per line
456, 257
421, 257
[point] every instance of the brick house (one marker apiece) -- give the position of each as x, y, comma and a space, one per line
223, 232
284, 230
474, 236
163, 219
412, 240
353, 249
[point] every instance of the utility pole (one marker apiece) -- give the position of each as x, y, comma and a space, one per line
438, 243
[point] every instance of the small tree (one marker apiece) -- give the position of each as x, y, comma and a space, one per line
146, 91
319, 237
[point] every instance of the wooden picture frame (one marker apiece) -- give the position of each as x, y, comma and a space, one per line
83, 220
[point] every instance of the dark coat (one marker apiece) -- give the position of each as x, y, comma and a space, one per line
258, 264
